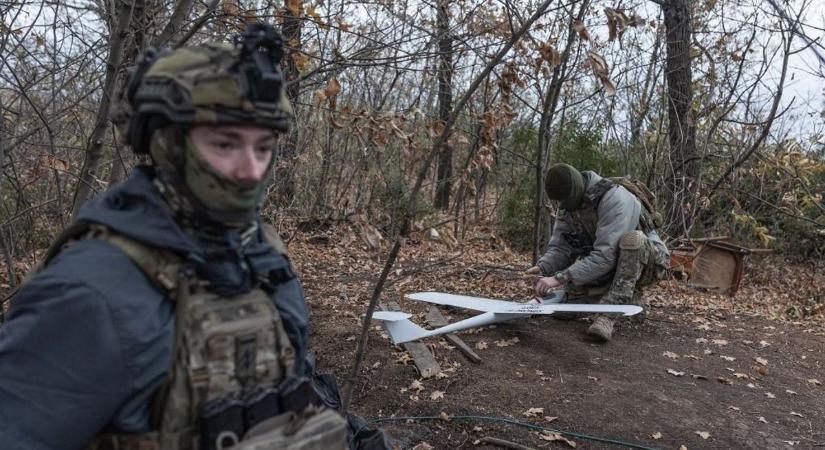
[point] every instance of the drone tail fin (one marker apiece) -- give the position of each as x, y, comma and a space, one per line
399, 326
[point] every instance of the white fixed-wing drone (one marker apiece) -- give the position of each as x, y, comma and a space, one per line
402, 330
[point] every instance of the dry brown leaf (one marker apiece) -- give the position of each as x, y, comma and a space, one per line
770, 395
549, 54
794, 413
318, 98
444, 416
295, 7
761, 360
436, 395
578, 25
675, 373
788, 391
656, 435
550, 418
417, 385
481, 345
720, 342
727, 358
556, 437
533, 412
670, 355
609, 87
301, 61
762, 419
311, 13
733, 408
682, 447
507, 342
814, 381
230, 9
333, 88
703, 434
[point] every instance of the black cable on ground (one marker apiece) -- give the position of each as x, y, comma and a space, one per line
511, 422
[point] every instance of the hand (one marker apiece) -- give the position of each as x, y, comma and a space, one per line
535, 270
545, 285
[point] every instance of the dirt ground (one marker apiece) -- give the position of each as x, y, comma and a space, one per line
703, 371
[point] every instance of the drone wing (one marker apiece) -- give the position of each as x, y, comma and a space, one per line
463, 301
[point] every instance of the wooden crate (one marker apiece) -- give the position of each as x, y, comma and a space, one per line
712, 264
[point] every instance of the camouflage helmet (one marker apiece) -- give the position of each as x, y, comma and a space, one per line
238, 84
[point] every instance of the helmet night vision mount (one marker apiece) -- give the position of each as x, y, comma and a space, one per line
238, 84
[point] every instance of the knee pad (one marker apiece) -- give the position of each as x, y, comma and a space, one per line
633, 240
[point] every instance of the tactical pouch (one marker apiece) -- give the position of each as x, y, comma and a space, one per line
222, 423
260, 404
297, 393
309, 430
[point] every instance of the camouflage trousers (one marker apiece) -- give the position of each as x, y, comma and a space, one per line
641, 262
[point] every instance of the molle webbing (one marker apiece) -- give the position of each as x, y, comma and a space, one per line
649, 219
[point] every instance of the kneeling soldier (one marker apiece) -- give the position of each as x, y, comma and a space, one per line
604, 240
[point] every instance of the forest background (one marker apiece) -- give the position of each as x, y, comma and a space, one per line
423, 131
415, 115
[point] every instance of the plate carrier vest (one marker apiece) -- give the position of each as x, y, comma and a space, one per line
233, 364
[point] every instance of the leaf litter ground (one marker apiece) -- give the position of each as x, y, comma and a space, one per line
703, 371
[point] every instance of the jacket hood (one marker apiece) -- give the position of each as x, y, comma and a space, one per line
135, 209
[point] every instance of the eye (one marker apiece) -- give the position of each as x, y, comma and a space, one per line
223, 145
264, 149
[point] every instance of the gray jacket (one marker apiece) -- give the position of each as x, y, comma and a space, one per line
584, 244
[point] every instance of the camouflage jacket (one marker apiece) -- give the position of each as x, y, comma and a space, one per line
584, 244
89, 338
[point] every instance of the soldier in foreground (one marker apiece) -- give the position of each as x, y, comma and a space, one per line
169, 316
604, 242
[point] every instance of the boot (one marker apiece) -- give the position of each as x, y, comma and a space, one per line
601, 329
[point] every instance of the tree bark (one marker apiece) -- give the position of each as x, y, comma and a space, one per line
94, 147
445, 100
175, 24
291, 29
681, 129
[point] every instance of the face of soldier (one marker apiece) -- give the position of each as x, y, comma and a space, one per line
237, 153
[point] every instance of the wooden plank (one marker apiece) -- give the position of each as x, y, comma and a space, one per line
436, 319
424, 361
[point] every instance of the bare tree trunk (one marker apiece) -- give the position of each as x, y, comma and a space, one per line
291, 28
681, 129
133, 47
445, 100
7, 251
551, 99
175, 24
2, 143
94, 147
647, 94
